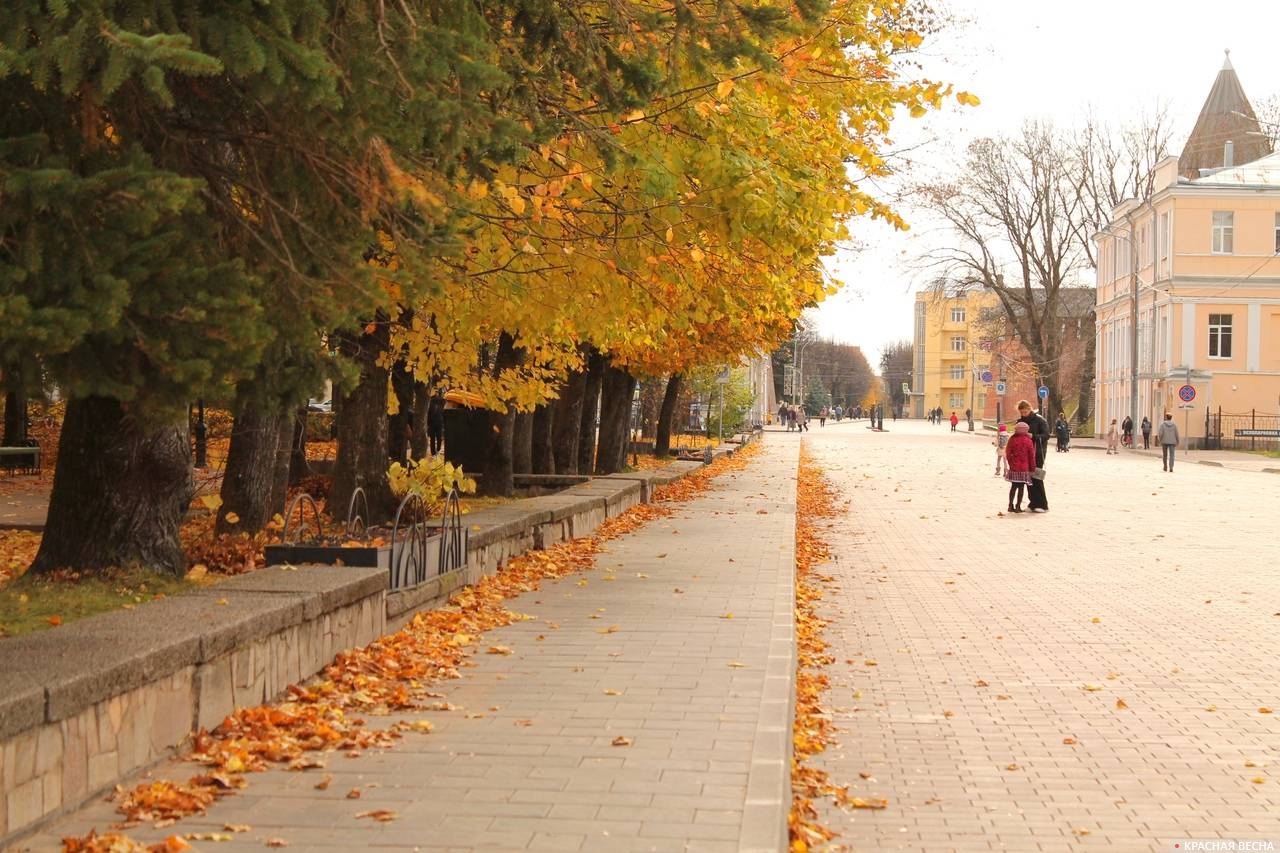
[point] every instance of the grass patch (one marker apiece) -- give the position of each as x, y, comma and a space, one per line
38, 602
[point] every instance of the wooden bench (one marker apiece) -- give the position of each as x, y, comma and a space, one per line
21, 460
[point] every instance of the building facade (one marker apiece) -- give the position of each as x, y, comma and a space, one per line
1189, 295
949, 360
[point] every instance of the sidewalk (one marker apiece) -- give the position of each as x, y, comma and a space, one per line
697, 675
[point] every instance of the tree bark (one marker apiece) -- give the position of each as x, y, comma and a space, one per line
248, 483
617, 388
15, 418
400, 424
544, 460
362, 429
567, 421
498, 477
284, 464
120, 491
662, 437
590, 401
418, 447
298, 467
522, 444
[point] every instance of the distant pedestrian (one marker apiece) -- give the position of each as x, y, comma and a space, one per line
1000, 441
782, 413
1037, 499
954, 420
1020, 462
822, 416
1146, 433
1168, 437
1062, 431
1126, 431
435, 422
1113, 438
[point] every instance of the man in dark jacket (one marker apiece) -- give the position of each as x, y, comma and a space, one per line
1039, 429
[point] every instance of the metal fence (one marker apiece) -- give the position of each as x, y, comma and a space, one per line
1252, 430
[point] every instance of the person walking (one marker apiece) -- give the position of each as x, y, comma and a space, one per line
1062, 431
1126, 430
1113, 438
435, 422
1000, 441
822, 417
802, 419
1146, 433
954, 420
1037, 499
1020, 462
1168, 437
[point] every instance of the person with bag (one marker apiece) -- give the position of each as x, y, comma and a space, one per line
1113, 438
1168, 437
1020, 462
1039, 430
1146, 433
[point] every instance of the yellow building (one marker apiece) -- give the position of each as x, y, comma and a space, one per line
948, 359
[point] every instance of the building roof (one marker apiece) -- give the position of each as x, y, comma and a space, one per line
1264, 172
1226, 116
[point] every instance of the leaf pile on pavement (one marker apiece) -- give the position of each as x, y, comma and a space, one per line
813, 729
393, 673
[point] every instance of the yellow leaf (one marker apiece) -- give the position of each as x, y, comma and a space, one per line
1121, 704
1092, 688
871, 803
1095, 620
670, 235
634, 115
211, 502
621, 741
423, 726
498, 650
724, 88
197, 571
231, 518
1258, 780
1264, 710
968, 99
517, 203
612, 692
727, 616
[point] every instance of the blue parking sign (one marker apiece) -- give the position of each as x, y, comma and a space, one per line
1043, 392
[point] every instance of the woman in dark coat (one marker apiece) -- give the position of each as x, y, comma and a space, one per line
1062, 432
1039, 429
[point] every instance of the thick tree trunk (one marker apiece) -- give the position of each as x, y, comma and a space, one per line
298, 467
522, 444
615, 408
498, 476
567, 421
248, 482
119, 492
544, 460
15, 418
662, 436
284, 464
362, 430
400, 424
590, 409
1084, 398
418, 447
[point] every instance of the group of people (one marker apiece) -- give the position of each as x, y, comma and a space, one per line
1167, 436
935, 416
1021, 456
795, 417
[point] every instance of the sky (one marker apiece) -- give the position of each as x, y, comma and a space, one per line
1027, 59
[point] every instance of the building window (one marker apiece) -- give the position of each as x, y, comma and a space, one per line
955, 401
957, 371
1223, 232
957, 344
957, 315
1219, 336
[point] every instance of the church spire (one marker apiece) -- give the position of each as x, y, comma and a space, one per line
1227, 116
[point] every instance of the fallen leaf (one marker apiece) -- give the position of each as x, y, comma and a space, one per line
1250, 764
981, 683
872, 803
221, 601
612, 692
737, 664
382, 815
727, 616
621, 741
55, 620
231, 518
524, 723
870, 663
498, 650
948, 713
1080, 830
642, 576
197, 571
1091, 688
277, 842
1012, 767
353, 794
174, 844
864, 775
322, 785
678, 590
423, 726
1212, 708
1003, 697
1264, 710
208, 836
1095, 620
1121, 704
237, 827
1258, 780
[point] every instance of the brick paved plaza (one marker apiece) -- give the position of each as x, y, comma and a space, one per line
995, 639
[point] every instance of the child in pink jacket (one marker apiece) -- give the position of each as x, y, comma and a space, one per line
1020, 461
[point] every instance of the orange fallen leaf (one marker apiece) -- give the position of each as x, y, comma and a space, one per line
869, 803
277, 842
1012, 767
55, 620
174, 844
382, 815
1258, 780
237, 827
621, 741
1070, 741
1264, 710
980, 683
1121, 704
498, 650
353, 794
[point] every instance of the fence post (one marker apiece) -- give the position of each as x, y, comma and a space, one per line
1253, 426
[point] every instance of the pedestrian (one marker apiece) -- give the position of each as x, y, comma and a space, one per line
1146, 433
1039, 427
1113, 438
1168, 437
822, 416
1001, 439
435, 422
802, 419
1020, 464
1062, 431
954, 421
1126, 430
791, 417
782, 413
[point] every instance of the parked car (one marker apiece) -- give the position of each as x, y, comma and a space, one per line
319, 405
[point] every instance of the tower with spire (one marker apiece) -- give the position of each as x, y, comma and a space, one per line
1227, 116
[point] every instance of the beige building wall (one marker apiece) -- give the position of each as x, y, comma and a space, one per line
949, 358
1190, 279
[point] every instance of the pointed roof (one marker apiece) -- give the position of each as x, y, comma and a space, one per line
1226, 116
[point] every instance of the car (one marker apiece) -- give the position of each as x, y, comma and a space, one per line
320, 406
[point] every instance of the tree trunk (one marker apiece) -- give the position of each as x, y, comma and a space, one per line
615, 408
418, 447
400, 424
15, 418
298, 467
119, 492
1087, 367
362, 429
544, 460
590, 403
567, 421
498, 477
284, 464
522, 444
662, 438
248, 482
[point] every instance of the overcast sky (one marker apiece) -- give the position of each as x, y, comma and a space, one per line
1114, 58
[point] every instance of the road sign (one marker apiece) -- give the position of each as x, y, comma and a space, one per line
906, 389
1043, 392
1187, 393
986, 376
1000, 386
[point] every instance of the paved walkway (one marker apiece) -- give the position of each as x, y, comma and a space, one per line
698, 675
1089, 678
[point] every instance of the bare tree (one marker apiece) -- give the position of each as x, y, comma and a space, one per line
1268, 112
896, 361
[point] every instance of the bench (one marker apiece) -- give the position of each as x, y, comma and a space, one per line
22, 460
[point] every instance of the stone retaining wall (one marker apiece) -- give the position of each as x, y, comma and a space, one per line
86, 704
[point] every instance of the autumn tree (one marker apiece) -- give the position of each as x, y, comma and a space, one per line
897, 368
